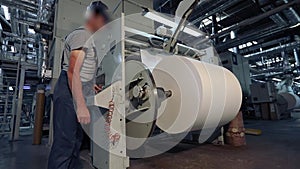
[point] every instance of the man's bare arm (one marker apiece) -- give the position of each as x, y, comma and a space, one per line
76, 61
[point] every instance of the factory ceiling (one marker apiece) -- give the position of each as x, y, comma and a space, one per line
253, 21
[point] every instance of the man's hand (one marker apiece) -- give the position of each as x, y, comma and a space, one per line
83, 115
98, 88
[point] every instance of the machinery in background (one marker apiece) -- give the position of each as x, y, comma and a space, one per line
273, 101
24, 38
239, 66
263, 99
265, 96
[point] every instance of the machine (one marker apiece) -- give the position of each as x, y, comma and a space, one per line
159, 86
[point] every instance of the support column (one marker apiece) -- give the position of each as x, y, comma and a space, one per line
214, 28
39, 116
50, 139
5, 109
18, 107
15, 125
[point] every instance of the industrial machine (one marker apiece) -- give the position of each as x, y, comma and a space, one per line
158, 87
274, 101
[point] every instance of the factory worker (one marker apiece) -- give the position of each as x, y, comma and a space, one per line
78, 69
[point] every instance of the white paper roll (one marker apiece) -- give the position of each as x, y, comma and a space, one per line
172, 73
292, 100
209, 95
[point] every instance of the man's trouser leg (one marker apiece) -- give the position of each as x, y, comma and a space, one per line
67, 131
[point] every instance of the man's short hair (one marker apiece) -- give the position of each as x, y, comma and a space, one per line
99, 8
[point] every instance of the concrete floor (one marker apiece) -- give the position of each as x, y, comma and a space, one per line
277, 148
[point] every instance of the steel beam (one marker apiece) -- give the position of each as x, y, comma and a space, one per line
5, 21
20, 5
289, 46
15, 125
19, 107
263, 45
214, 11
250, 37
205, 7
255, 19
5, 108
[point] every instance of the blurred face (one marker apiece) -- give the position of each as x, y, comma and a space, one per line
95, 22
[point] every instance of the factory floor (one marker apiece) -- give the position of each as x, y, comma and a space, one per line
277, 148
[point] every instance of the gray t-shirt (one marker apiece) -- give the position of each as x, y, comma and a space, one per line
80, 39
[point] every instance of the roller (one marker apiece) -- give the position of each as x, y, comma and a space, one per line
204, 96
292, 100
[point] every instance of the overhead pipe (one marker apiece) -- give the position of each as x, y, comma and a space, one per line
214, 11
278, 48
19, 5
5, 20
276, 18
255, 19
32, 2
255, 71
256, 35
267, 75
17, 36
205, 7
263, 45
27, 21
295, 14
31, 15
45, 10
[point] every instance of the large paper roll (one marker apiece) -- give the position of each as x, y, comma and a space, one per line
204, 96
292, 100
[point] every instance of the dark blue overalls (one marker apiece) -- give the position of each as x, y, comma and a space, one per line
68, 133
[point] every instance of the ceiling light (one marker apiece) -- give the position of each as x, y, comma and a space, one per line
27, 87
6, 12
297, 78
296, 25
277, 80
31, 31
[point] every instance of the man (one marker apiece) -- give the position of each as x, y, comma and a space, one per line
78, 68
